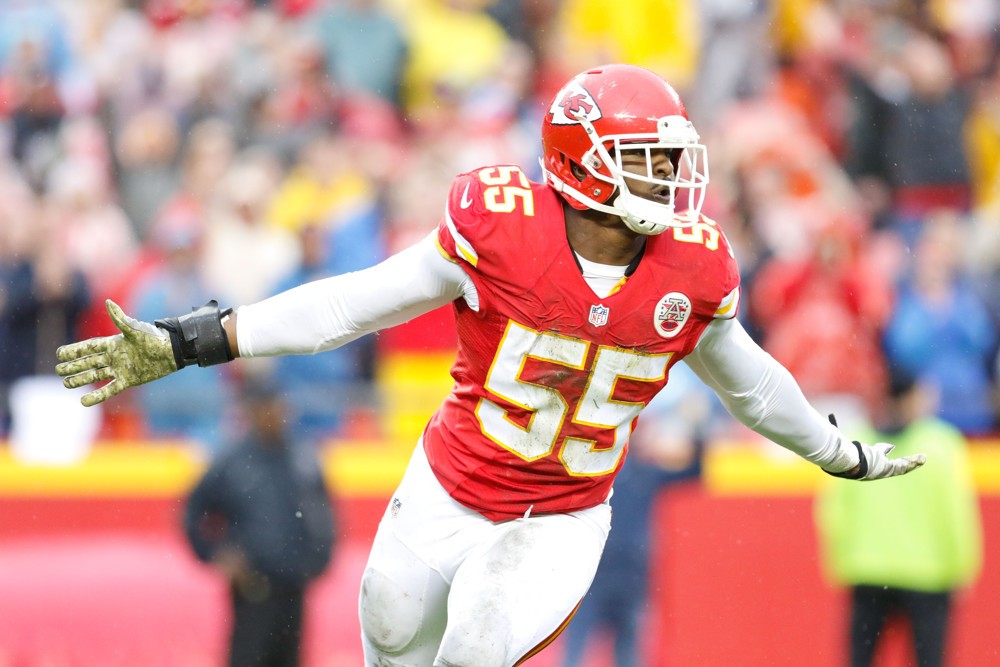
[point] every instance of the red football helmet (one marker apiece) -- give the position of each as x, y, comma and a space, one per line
607, 111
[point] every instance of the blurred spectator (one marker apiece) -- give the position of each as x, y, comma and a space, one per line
810, 38
524, 22
784, 177
322, 188
982, 135
665, 449
908, 105
280, 92
982, 260
920, 539
262, 516
735, 58
364, 46
243, 254
412, 206
18, 237
97, 236
188, 56
941, 330
454, 47
147, 176
42, 298
837, 285
325, 388
660, 35
112, 42
494, 122
99, 239
969, 29
84, 144
305, 97
206, 156
34, 55
376, 139
333, 209
186, 405
36, 27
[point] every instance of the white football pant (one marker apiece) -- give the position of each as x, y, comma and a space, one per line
446, 587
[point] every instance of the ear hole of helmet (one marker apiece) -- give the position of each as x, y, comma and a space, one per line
592, 162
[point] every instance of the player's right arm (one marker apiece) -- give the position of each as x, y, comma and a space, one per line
331, 312
313, 317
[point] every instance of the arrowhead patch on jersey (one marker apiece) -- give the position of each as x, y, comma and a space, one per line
671, 313
573, 101
599, 315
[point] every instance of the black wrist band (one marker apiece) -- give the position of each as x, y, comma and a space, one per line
199, 336
862, 466
862, 461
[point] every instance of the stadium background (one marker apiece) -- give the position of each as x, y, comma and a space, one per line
235, 141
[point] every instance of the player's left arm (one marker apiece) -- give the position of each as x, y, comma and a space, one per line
764, 396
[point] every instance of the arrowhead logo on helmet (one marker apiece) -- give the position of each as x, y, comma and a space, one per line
574, 103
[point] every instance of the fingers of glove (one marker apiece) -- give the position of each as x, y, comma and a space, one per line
884, 447
87, 377
902, 465
102, 393
129, 326
82, 349
911, 463
83, 364
886, 467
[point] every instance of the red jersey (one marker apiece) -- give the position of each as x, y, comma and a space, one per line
550, 377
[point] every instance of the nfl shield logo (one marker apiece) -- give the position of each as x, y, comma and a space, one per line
598, 315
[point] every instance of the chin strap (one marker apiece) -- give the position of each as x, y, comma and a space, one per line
199, 336
636, 223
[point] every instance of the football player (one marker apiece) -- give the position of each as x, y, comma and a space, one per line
573, 299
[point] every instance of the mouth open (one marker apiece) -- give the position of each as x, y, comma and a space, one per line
663, 196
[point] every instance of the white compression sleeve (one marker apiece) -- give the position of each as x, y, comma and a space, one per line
764, 396
328, 313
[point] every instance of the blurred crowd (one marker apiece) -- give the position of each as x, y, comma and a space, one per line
162, 153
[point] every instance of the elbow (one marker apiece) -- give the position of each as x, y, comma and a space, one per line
747, 410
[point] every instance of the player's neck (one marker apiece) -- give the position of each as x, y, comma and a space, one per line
601, 238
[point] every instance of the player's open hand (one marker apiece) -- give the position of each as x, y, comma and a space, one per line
140, 353
881, 466
874, 461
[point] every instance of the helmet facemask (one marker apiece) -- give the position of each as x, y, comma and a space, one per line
686, 186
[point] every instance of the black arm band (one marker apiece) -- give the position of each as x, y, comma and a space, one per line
199, 336
862, 461
862, 465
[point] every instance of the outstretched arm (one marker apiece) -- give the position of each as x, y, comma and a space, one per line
764, 396
328, 313
310, 318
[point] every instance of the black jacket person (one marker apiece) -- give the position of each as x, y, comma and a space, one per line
262, 515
